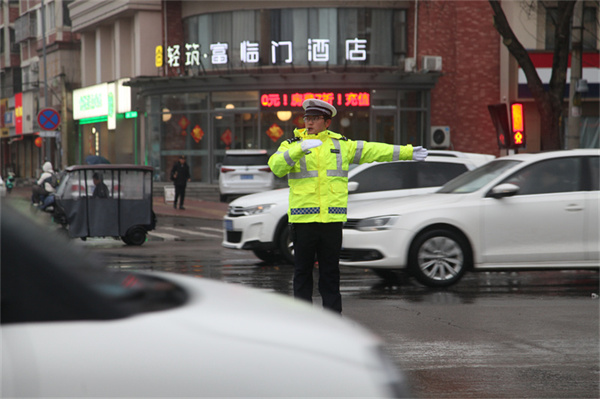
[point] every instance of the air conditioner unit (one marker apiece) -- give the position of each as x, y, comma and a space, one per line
431, 63
409, 65
439, 137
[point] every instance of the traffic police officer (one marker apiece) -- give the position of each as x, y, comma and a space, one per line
316, 161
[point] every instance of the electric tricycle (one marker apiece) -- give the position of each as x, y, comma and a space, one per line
106, 200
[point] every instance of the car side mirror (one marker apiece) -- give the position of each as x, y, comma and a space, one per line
352, 186
504, 190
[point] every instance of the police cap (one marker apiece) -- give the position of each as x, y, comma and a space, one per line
312, 106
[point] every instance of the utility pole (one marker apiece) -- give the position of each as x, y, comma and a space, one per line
47, 148
574, 118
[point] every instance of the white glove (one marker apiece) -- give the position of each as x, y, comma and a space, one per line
419, 153
310, 143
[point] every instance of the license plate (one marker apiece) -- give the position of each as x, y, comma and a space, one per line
247, 177
228, 225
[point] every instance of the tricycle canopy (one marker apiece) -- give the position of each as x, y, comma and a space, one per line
107, 200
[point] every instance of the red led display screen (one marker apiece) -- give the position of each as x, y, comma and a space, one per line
291, 100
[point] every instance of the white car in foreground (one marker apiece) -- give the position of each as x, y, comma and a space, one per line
259, 222
526, 211
71, 328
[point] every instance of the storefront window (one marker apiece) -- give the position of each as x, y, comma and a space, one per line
234, 100
384, 97
352, 124
412, 127
184, 101
204, 125
279, 126
186, 134
412, 99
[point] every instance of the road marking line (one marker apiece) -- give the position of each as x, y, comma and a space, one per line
191, 232
211, 229
164, 236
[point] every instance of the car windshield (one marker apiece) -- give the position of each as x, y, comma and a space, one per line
475, 179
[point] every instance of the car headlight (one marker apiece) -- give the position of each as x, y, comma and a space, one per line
377, 223
255, 210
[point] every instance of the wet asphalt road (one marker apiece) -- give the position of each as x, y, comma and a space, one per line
493, 335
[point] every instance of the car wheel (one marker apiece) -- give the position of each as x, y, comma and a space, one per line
286, 246
135, 236
438, 258
268, 256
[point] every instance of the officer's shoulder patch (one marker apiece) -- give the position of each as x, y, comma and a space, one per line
344, 138
294, 139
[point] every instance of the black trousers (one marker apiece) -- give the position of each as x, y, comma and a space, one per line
323, 240
179, 194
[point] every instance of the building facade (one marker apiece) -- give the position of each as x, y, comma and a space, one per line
235, 79
40, 68
233, 75
116, 38
156, 79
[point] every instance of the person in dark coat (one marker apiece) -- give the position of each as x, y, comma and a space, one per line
100, 189
180, 175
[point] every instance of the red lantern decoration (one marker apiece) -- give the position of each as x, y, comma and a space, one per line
38, 142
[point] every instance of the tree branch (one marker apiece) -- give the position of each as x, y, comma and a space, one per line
517, 50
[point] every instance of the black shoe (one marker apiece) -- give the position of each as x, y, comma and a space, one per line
181, 207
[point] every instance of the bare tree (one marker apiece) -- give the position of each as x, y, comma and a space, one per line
549, 101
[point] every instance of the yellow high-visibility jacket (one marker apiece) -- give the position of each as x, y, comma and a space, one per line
318, 180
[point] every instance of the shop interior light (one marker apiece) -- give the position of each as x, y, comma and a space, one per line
284, 115
229, 106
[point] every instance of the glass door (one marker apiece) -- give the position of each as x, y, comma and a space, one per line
384, 127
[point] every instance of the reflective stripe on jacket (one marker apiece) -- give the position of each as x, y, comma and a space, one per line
318, 180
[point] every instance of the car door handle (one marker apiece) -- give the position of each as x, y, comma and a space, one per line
573, 208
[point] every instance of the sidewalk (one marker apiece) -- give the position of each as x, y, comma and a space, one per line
194, 208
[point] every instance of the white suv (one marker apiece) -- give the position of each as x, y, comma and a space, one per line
244, 172
259, 222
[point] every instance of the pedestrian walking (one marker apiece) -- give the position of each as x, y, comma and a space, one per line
180, 175
316, 163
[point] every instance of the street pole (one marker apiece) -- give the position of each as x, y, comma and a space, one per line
574, 118
47, 147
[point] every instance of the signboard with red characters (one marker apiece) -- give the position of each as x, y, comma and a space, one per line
290, 100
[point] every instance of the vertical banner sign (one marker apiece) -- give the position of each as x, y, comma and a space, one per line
19, 113
158, 56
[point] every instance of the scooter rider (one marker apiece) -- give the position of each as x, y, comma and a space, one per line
316, 161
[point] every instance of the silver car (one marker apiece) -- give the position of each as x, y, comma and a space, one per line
244, 172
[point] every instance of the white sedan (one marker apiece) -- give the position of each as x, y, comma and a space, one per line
258, 222
526, 211
71, 328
